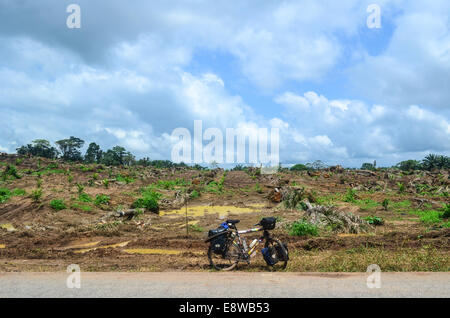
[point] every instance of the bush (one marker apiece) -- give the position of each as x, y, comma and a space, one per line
5, 194
58, 204
374, 220
194, 194
148, 201
36, 195
84, 197
302, 227
299, 167
350, 196
102, 199
385, 204
446, 209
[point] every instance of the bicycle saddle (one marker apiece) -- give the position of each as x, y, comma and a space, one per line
233, 221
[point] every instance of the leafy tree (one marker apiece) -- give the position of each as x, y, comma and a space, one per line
316, 165
39, 148
299, 167
433, 161
408, 165
70, 148
93, 153
367, 166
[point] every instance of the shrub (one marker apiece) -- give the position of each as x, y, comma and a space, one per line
350, 196
10, 171
148, 201
299, 167
36, 195
385, 204
446, 209
5, 194
84, 197
105, 183
194, 194
58, 204
374, 220
80, 188
101, 199
302, 227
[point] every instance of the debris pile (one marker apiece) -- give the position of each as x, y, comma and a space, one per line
337, 221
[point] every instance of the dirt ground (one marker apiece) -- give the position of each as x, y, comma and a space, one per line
36, 237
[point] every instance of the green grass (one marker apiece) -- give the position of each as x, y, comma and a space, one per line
374, 220
367, 204
82, 207
400, 205
5, 194
58, 204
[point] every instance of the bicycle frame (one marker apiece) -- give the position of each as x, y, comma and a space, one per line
247, 252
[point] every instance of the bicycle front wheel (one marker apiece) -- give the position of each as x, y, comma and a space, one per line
282, 254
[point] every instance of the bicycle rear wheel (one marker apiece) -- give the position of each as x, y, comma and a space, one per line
225, 262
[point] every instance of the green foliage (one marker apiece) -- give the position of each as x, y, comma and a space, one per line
80, 188
149, 201
350, 196
70, 178
82, 207
401, 187
10, 171
5, 194
93, 154
105, 183
70, 148
58, 204
39, 148
299, 167
374, 220
36, 195
409, 165
368, 166
302, 228
385, 204
125, 179
84, 197
19, 192
446, 211
258, 188
102, 199
195, 228
367, 204
194, 194
433, 161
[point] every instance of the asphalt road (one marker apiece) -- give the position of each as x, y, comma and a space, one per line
233, 284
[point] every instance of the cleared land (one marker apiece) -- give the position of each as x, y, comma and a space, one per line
53, 214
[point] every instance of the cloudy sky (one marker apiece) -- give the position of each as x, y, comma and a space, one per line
337, 90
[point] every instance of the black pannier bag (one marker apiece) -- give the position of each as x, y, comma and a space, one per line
219, 243
270, 255
268, 223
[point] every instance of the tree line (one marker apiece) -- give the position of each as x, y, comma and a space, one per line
70, 150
